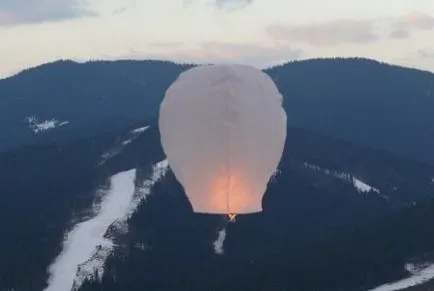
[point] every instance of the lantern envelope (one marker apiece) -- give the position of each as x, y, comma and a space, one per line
223, 130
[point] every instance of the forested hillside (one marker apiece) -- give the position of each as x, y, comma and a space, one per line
350, 206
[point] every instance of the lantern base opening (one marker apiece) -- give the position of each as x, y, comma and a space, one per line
232, 217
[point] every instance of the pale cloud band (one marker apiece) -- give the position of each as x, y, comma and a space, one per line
233, 4
33, 11
326, 34
6, 18
403, 26
353, 31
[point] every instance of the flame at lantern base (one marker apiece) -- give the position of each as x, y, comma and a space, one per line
232, 217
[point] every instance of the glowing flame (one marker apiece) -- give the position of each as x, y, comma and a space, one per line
229, 194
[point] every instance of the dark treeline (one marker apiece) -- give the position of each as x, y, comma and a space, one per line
354, 259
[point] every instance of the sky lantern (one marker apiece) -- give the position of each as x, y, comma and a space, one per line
223, 130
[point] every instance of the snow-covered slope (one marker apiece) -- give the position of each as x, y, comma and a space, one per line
418, 276
86, 247
87, 238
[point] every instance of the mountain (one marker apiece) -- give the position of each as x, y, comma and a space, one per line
366, 102
349, 209
362, 101
80, 100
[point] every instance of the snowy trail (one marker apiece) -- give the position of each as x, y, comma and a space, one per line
85, 237
418, 277
85, 249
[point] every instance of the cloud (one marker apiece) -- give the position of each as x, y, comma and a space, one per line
232, 4
326, 34
6, 18
225, 5
167, 45
415, 21
399, 33
31, 11
403, 26
426, 53
107, 7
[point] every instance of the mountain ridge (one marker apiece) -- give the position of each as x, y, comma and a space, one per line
374, 104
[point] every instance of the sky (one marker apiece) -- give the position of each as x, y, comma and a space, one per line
257, 32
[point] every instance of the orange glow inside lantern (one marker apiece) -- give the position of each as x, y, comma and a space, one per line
230, 194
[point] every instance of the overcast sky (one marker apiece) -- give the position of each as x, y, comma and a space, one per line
258, 32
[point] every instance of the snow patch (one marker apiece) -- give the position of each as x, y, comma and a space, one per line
118, 146
274, 175
361, 186
418, 276
125, 142
38, 126
218, 243
141, 246
139, 130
